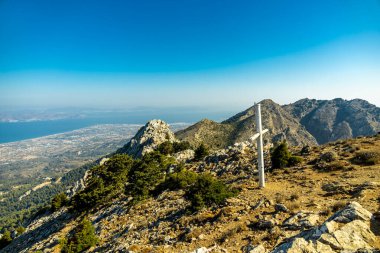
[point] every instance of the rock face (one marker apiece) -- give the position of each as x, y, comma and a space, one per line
305, 122
347, 230
148, 138
330, 120
239, 128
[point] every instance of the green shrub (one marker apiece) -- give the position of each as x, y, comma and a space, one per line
84, 238
280, 156
5, 239
58, 201
201, 152
106, 181
180, 180
208, 191
147, 173
20, 230
181, 146
294, 160
166, 148
366, 158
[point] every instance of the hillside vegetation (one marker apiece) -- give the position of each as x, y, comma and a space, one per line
157, 204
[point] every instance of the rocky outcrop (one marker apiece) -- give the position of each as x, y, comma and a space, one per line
331, 120
348, 230
148, 138
184, 156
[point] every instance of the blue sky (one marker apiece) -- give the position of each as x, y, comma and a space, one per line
214, 54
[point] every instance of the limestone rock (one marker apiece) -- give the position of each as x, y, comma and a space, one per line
301, 220
347, 230
254, 249
185, 155
148, 138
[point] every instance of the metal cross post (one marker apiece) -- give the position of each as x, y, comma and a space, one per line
259, 137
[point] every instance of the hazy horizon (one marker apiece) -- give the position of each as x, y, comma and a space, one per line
223, 56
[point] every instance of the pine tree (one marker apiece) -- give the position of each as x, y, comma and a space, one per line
280, 156
84, 238
5, 239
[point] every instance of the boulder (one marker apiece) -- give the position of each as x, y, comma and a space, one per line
347, 230
301, 220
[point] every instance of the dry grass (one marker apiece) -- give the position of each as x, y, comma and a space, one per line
233, 231
280, 199
370, 157
340, 204
294, 196
294, 206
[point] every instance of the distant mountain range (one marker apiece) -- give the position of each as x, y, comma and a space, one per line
331, 120
305, 122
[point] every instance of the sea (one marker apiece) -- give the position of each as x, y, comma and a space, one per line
17, 131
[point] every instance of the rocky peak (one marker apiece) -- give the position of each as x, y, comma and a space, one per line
148, 138
330, 120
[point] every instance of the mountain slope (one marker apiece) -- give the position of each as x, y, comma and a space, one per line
330, 120
298, 211
281, 125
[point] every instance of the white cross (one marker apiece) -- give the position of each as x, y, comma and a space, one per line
259, 137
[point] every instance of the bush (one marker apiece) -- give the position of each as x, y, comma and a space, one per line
20, 230
366, 158
208, 191
328, 157
166, 148
83, 238
294, 160
280, 156
201, 152
337, 165
5, 239
180, 180
58, 201
106, 181
147, 173
181, 146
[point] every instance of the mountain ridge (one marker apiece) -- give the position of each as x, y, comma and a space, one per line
241, 127
330, 120
304, 122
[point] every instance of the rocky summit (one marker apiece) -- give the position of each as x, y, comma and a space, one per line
331, 120
327, 202
148, 138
